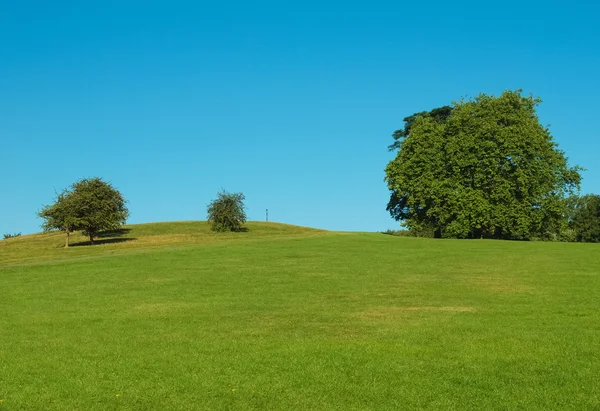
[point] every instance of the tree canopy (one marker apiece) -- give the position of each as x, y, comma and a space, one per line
226, 212
480, 168
584, 219
62, 215
90, 205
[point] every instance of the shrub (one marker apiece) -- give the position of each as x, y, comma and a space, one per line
585, 218
7, 236
226, 212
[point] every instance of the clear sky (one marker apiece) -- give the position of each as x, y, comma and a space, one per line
292, 103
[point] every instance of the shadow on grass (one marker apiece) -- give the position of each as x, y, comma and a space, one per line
107, 237
119, 232
235, 230
398, 233
101, 241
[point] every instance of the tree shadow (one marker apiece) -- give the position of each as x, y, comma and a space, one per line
398, 233
241, 230
107, 237
119, 232
102, 241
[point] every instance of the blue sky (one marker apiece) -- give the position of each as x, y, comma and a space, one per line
293, 104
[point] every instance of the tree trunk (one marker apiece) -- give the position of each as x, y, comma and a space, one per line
67, 239
92, 238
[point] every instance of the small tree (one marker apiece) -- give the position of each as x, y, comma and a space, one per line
99, 207
62, 215
91, 205
226, 212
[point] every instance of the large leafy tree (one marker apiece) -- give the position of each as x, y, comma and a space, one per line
226, 212
90, 205
482, 168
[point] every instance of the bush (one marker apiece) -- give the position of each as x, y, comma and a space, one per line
7, 236
585, 218
226, 212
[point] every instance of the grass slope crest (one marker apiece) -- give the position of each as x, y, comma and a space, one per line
38, 248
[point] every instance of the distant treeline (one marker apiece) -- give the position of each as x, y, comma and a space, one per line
7, 235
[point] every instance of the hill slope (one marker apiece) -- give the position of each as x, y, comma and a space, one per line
37, 248
299, 319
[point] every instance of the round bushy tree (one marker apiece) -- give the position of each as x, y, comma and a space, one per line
91, 205
226, 212
100, 206
479, 169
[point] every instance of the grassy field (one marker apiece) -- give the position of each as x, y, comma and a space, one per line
172, 317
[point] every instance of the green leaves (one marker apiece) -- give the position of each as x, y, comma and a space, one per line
91, 205
226, 213
585, 218
62, 215
482, 168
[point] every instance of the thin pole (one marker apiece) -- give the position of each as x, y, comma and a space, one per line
267, 215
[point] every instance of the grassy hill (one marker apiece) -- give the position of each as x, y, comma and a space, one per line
169, 316
44, 247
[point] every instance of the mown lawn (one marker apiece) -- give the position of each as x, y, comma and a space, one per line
305, 320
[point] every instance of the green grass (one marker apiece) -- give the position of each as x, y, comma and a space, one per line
46, 247
283, 317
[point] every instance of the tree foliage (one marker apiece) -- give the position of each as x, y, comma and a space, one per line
90, 205
62, 215
11, 235
481, 168
584, 218
438, 115
226, 212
